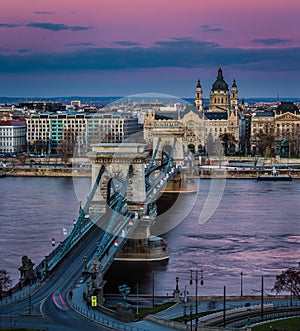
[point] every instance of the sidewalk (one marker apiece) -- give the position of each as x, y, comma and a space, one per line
25, 292
79, 305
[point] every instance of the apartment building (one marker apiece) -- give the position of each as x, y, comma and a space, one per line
12, 136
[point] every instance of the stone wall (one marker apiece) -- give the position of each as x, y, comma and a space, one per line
48, 172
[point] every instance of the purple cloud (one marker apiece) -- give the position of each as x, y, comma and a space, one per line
271, 41
9, 25
56, 26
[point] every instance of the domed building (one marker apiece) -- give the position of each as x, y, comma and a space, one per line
201, 122
221, 116
219, 94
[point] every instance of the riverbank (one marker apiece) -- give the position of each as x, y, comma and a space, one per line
60, 171
240, 173
43, 171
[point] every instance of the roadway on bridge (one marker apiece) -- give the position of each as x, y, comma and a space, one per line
49, 305
53, 316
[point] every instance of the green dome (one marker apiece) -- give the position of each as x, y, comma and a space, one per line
287, 106
220, 83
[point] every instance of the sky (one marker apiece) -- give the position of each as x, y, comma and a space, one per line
120, 48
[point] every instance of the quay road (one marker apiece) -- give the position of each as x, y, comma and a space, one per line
48, 308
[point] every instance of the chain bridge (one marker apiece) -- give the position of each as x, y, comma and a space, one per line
127, 181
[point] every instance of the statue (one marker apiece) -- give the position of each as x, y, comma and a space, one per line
26, 270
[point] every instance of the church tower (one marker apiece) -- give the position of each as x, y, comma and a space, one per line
234, 95
219, 94
199, 97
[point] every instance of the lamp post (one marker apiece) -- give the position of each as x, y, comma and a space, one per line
262, 298
224, 307
124, 290
137, 298
241, 285
85, 269
201, 283
153, 298
29, 300
291, 298
191, 317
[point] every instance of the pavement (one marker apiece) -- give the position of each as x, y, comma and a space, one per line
79, 305
25, 292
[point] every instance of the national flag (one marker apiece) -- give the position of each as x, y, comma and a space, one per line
116, 243
74, 222
53, 241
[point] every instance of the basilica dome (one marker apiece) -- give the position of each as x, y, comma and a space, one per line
220, 84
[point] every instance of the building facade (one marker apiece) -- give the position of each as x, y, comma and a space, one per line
12, 136
204, 123
45, 131
276, 131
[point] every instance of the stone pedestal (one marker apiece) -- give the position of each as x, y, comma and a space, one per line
96, 285
124, 312
176, 295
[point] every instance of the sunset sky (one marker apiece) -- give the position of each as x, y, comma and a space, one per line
119, 48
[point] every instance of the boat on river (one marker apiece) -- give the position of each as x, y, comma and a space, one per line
274, 176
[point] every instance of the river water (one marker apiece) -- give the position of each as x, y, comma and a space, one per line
254, 230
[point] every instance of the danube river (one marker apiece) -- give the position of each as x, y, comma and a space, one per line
254, 230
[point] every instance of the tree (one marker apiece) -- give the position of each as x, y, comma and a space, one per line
65, 149
229, 142
67, 145
5, 281
289, 281
264, 141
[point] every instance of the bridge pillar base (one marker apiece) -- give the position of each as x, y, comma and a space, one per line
181, 183
142, 250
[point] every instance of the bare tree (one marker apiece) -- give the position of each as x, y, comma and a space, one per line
229, 142
289, 281
264, 140
5, 281
66, 146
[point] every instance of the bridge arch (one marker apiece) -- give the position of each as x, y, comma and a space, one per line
124, 166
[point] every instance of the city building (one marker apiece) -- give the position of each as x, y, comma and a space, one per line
41, 106
276, 131
203, 123
12, 136
45, 131
111, 127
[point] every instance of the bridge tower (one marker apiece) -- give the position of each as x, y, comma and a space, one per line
117, 158
125, 163
167, 135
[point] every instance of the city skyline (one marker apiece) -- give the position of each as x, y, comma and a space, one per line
54, 48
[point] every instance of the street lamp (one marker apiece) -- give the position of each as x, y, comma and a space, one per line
137, 298
29, 300
191, 317
262, 298
201, 283
124, 290
153, 298
241, 284
85, 270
